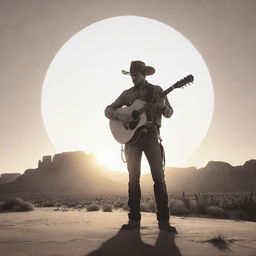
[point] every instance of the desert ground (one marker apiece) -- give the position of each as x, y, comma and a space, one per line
73, 232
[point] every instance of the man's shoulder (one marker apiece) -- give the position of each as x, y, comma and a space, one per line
125, 94
155, 87
128, 91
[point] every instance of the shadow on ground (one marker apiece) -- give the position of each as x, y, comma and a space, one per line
129, 243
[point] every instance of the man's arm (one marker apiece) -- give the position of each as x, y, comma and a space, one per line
167, 110
164, 105
111, 110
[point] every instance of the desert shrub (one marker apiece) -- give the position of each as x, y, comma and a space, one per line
79, 206
216, 211
187, 202
219, 241
16, 205
144, 207
236, 214
126, 207
151, 205
93, 207
177, 207
246, 203
48, 204
119, 204
201, 205
107, 208
193, 206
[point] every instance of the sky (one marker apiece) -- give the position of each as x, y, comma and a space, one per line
31, 33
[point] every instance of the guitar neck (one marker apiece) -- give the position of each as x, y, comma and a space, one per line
155, 100
186, 80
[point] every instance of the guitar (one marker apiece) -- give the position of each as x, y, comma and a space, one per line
123, 132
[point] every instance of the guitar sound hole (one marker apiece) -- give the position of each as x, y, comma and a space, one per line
135, 115
134, 124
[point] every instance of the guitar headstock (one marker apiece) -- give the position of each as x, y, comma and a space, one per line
184, 82
180, 84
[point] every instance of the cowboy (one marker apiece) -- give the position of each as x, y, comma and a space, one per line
146, 142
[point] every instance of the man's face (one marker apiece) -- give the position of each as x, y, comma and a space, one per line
137, 78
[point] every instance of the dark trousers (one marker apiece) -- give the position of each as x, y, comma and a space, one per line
147, 143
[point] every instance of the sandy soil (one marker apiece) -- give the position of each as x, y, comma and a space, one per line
74, 233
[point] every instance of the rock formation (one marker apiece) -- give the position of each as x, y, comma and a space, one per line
8, 177
65, 172
219, 176
45, 163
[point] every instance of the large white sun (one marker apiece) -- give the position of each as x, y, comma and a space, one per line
85, 76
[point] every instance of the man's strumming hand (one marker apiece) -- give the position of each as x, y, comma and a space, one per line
124, 117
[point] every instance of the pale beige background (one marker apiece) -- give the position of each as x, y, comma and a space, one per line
31, 32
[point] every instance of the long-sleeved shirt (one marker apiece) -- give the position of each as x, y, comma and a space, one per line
128, 96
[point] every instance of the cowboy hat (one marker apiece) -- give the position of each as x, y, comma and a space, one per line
139, 66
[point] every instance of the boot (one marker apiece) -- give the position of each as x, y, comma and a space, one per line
165, 226
132, 224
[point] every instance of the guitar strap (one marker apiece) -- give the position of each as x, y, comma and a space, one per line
162, 152
150, 118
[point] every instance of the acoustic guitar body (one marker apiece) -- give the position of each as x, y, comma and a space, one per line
124, 132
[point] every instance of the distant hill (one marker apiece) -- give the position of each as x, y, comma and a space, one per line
216, 176
219, 176
66, 172
78, 172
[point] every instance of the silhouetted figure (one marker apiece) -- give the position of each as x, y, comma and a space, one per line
145, 140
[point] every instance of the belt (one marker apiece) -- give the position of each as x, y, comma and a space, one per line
151, 126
